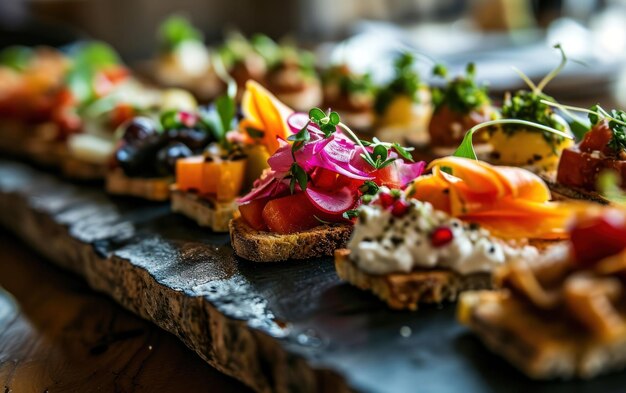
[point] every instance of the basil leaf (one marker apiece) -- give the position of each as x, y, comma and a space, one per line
226, 110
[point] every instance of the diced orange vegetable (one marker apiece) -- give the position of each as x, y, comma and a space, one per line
189, 173
223, 179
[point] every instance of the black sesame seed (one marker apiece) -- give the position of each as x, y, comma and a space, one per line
537, 157
473, 226
492, 249
446, 191
396, 240
495, 155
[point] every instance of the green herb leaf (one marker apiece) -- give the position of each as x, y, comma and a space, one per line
175, 30
447, 170
593, 116
440, 70
299, 176
466, 148
369, 188
350, 214
403, 151
88, 59
254, 133
16, 57
334, 118
317, 114
226, 110
608, 185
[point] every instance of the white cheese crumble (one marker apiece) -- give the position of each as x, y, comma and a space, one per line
382, 243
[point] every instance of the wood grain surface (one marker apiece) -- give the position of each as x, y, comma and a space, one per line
57, 335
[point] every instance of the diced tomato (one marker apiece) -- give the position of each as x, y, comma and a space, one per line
294, 213
252, 213
596, 238
121, 114
324, 178
388, 176
598, 139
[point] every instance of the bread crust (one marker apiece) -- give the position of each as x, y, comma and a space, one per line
540, 345
204, 210
76, 169
405, 291
262, 246
154, 189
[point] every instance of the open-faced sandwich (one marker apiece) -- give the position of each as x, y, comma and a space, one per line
303, 204
291, 75
351, 95
562, 315
403, 106
448, 231
243, 59
184, 61
144, 162
600, 153
208, 184
34, 112
460, 105
531, 147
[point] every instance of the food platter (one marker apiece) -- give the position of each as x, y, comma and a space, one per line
276, 327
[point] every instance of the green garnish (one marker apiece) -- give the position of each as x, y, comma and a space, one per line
348, 82
406, 82
16, 57
531, 105
87, 60
328, 122
608, 185
596, 114
175, 30
462, 94
466, 148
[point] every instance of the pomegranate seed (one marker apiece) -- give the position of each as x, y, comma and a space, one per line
386, 200
188, 119
399, 208
441, 236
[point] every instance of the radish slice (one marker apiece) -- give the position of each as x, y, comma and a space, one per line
331, 201
297, 121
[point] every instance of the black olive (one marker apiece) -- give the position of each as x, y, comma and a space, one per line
196, 140
167, 157
139, 129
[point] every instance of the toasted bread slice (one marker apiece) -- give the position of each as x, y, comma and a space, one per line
561, 192
406, 290
542, 346
154, 189
79, 170
204, 210
36, 142
261, 246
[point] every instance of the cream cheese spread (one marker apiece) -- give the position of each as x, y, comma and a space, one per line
426, 238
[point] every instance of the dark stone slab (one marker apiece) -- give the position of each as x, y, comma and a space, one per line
277, 327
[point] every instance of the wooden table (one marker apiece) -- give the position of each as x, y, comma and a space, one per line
58, 335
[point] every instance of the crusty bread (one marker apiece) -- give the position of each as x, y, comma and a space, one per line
561, 192
76, 169
260, 246
204, 210
541, 345
407, 290
36, 142
154, 189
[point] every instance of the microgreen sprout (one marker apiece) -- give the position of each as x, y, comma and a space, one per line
466, 148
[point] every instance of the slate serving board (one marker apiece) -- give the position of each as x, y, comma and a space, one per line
277, 327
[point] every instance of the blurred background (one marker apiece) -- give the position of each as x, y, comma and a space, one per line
496, 34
